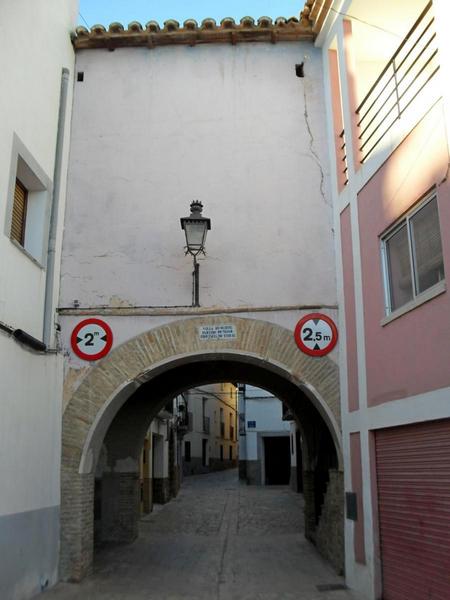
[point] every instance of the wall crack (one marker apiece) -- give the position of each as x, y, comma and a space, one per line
313, 153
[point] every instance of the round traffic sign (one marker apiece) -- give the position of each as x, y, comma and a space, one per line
92, 339
316, 334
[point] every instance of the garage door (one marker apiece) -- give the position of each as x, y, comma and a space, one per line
413, 472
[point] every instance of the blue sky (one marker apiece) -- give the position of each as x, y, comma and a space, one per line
124, 11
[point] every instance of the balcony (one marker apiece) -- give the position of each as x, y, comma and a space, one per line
400, 85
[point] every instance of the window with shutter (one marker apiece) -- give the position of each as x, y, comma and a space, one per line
19, 213
28, 204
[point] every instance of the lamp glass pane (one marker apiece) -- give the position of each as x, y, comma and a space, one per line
195, 234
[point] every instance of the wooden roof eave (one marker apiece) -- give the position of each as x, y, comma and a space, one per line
99, 37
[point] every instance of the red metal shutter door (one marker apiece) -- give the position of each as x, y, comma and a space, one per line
413, 473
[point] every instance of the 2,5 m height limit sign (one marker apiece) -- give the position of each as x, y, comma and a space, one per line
316, 334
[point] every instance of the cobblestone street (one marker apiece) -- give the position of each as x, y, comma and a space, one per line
217, 540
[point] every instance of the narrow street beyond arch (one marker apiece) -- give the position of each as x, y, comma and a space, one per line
218, 540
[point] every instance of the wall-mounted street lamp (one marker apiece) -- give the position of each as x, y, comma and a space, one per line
195, 228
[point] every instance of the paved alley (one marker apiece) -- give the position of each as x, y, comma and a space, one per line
218, 539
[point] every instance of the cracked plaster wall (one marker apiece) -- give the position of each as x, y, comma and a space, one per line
231, 126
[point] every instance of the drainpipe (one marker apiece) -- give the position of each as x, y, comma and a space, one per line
51, 252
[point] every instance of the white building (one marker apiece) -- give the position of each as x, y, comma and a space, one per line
230, 114
35, 105
160, 469
267, 442
221, 114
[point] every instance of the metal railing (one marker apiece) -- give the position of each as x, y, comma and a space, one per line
406, 74
343, 156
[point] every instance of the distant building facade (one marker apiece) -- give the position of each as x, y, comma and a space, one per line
160, 468
211, 440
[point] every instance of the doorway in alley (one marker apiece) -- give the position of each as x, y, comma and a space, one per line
277, 460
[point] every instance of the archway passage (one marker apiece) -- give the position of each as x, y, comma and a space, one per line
117, 401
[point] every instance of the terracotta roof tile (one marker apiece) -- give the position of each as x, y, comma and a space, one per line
191, 33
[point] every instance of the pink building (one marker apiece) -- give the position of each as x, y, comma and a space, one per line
387, 66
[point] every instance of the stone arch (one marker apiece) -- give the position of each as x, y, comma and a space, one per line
108, 386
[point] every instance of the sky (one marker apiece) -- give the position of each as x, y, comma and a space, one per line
125, 11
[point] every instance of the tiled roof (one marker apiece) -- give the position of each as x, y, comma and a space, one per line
191, 33
316, 11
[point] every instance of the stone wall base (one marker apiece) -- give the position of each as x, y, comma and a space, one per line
242, 465
330, 530
175, 482
293, 479
215, 464
310, 512
194, 466
161, 490
253, 472
120, 500
147, 495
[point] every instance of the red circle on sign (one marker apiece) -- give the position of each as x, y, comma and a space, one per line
316, 334
92, 329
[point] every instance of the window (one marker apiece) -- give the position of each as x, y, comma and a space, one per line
187, 451
19, 213
230, 453
29, 200
412, 255
222, 424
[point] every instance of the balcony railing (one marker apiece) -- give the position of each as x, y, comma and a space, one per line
407, 73
343, 157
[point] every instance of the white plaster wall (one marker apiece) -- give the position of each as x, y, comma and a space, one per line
293, 431
254, 392
267, 412
160, 447
30, 428
126, 327
227, 125
34, 46
251, 442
